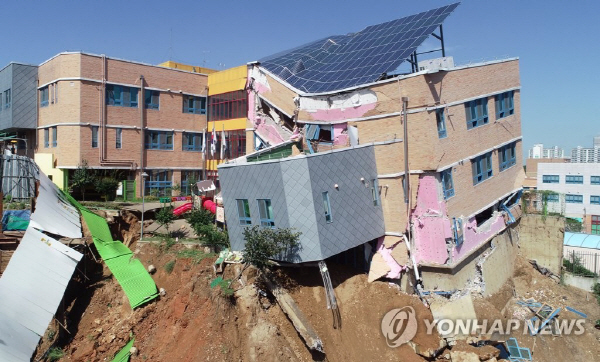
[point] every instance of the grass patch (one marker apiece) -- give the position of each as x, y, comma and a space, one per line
170, 266
194, 254
55, 354
222, 284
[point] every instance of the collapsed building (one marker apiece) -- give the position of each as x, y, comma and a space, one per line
404, 169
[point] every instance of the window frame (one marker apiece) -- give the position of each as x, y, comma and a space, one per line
505, 104
149, 97
118, 138
446, 175
507, 157
375, 191
54, 136
265, 212
440, 119
44, 96
594, 180
199, 104
46, 137
244, 212
112, 90
7, 98
553, 197
594, 199
472, 110
479, 172
574, 179
95, 136
327, 207
196, 144
550, 179
573, 199
595, 224
162, 138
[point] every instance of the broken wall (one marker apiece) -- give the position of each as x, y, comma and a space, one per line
541, 239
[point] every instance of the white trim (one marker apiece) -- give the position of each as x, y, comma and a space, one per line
472, 98
166, 168
67, 124
82, 79
393, 79
120, 126
249, 129
469, 158
400, 174
393, 233
122, 60
368, 118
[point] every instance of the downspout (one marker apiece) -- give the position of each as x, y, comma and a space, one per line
141, 104
102, 128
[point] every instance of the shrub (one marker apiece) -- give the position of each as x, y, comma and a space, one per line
170, 266
577, 268
223, 284
55, 354
106, 186
265, 243
199, 218
165, 217
213, 237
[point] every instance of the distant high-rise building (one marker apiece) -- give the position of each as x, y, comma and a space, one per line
538, 151
587, 154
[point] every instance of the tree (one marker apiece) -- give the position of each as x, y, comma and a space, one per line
263, 244
165, 217
82, 177
106, 186
199, 218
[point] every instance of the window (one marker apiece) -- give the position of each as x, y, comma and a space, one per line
118, 137
441, 123
265, 211
596, 224
117, 95
595, 200
188, 181
482, 168
235, 144
573, 199
458, 231
552, 197
159, 140
158, 183
595, 180
46, 137
44, 97
54, 136
244, 212
550, 179
196, 105
477, 113
572, 179
375, 191
192, 141
151, 99
504, 104
447, 183
228, 105
507, 157
327, 207
94, 136
7, 98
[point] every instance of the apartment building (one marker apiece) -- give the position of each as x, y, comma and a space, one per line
539, 151
18, 108
577, 187
121, 115
421, 165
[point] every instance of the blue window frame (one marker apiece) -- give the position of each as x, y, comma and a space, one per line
244, 211
595, 180
550, 179
196, 105
375, 191
188, 181
482, 168
44, 97
159, 140
265, 211
552, 197
327, 207
574, 199
7, 98
507, 156
158, 183
151, 99
54, 136
46, 137
595, 200
458, 231
574, 179
505, 104
118, 137
192, 141
476, 112
441, 123
447, 183
94, 136
121, 96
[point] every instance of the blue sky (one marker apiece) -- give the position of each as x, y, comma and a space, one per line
556, 41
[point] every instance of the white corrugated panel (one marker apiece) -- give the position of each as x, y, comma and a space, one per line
31, 289
53, 213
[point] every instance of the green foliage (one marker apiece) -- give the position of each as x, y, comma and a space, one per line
596, 291
83, 177
265, 243
576, 267
16, 206
223, 284
211, 236
55, 354
7, 198
106, 186
167, 243
51, 334
165, 217
573, 225
170, 266
199, 218
194, 254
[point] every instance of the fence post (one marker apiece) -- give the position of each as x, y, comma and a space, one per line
596, 263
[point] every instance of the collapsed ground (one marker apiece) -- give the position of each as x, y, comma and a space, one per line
194, 322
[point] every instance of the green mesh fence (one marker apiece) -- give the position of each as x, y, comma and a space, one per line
123, 355
129, 272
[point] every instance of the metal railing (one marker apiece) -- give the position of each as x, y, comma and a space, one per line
581, 263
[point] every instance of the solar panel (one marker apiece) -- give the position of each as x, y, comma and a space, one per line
344, 61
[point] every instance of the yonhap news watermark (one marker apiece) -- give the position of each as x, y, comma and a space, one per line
400, 325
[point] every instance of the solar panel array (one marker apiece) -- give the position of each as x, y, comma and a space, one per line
344, 61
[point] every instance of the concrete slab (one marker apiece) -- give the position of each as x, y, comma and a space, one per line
460, 309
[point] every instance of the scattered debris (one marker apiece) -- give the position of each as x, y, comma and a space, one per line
576, 312
151, 269
162, 292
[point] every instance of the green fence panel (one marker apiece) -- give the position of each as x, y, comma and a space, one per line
123, 355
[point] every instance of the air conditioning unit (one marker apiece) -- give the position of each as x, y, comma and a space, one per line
437, 64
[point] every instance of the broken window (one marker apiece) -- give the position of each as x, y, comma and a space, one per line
265, 211
458, 231
482, 168
327, 207
484, 216
244, 211
447, 183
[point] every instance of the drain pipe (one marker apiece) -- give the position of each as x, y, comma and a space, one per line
142, 105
